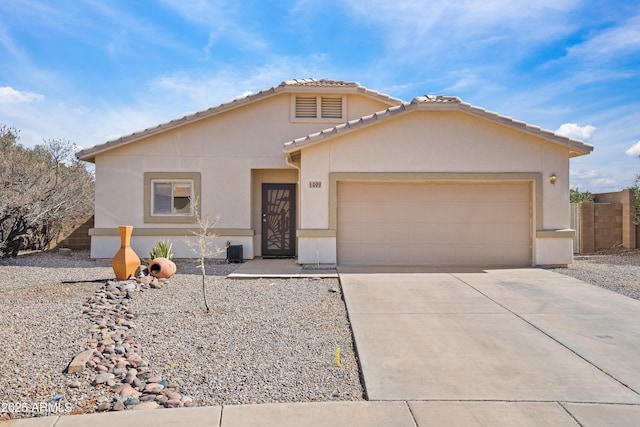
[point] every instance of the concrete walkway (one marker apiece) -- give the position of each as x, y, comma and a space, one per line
523, 347
360, 414
280, 268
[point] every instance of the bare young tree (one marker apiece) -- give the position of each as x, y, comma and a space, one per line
203, 246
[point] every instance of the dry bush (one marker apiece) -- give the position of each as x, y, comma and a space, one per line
41, 190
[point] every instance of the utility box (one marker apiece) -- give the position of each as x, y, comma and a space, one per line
234, 253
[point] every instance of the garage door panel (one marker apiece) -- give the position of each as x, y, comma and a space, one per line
379, 254
511, 234
399, 233
513, 255
350, 212
373, 233
351, 255
350, 233
472, 254
515, 210
432, 233
441, 256
415, 212
434, 223
470, 234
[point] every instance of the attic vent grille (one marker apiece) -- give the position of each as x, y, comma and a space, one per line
331, 108
306, 107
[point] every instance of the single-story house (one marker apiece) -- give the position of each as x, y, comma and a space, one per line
332, 172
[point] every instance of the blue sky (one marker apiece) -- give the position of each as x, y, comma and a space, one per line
90, 71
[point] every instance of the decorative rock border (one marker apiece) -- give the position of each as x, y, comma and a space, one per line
116, 358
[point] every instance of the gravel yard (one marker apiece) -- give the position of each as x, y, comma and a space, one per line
263, 341
618, 271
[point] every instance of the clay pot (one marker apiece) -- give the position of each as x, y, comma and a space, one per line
162, 268
125, 261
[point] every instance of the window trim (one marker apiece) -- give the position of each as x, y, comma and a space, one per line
151, 177
319, 108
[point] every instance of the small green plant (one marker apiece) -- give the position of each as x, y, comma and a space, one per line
162, 249
577, 196
635, 200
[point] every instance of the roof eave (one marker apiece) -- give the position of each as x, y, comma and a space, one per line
291, 86
439, 103
344, 128
576, 147
89, 154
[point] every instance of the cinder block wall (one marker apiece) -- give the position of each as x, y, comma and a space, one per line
628, 231
587, 228
79, 238
607, 223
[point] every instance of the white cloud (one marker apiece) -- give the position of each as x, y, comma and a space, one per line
634, 150
584, 174
9, 94
469, 20
573, 130
603, 183
618, 40
594, 180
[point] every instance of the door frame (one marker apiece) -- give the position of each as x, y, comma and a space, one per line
291, 251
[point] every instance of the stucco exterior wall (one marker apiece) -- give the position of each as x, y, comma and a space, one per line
224, 149
441, 142
446, 142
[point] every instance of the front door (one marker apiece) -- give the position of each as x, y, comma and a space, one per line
278, 220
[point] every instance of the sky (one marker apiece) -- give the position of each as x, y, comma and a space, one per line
90, 71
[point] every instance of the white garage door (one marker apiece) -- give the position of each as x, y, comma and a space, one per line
436, 224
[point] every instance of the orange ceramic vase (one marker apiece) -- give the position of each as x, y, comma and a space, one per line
125, 262
162, 268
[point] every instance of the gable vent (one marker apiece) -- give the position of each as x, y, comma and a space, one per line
306, 107
331, 108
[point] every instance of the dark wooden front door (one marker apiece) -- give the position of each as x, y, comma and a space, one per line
278, 220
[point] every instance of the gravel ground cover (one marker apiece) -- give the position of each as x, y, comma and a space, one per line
616, 270
42, 328
263, 341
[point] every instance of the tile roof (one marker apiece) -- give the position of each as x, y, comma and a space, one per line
320, 83
88, 154
437, 103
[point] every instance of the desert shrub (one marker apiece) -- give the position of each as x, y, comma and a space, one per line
635, 200
577, 196
41, 190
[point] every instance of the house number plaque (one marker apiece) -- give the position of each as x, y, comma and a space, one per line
315, 184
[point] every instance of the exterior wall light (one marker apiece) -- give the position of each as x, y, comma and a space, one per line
552, 178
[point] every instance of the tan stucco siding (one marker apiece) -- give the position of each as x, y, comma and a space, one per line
225, 191
435, 142
224, 149
360, 106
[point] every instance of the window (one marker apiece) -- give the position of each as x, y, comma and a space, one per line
171, 196
318, 108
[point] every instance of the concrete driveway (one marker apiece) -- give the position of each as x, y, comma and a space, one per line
517, 335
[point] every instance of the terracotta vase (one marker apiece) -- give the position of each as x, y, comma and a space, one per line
125, 262
162, 268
